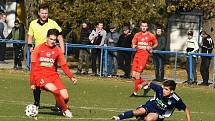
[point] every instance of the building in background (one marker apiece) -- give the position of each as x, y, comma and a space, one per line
14, 9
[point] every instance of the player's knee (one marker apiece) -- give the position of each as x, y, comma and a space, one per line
149, 118
139, 112
66, 100
64, 93
56, 92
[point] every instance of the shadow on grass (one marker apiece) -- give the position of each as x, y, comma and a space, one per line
139, 96
51, 113
46, 107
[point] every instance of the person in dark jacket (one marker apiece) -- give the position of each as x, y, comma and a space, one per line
111, 40
18, 34
207, 46
84, 54
158, 59
124, 57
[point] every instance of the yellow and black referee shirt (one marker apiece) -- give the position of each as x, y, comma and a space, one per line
39, 30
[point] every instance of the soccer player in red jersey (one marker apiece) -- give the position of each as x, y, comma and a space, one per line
144, 42
43, 71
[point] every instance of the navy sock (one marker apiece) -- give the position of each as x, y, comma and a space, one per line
37, 92
128, 114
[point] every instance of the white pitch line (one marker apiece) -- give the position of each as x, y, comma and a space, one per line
94, 108
58, 118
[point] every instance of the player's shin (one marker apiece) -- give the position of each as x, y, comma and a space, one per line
125, 115
36, 93
136, 84
60, 100
66, 100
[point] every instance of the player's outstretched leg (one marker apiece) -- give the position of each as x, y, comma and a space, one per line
125, 115
62, 104
129, 114
59, 99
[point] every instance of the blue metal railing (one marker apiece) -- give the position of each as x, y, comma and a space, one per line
105, 50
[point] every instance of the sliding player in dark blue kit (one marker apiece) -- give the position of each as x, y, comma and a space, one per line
162, 105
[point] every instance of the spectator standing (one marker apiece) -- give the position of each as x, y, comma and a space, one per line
192, 47
97, 37
84, 54
159, 59
3, 34
207, 46
18, 34
124, 57
111, 40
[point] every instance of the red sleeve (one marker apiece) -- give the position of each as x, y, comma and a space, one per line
63, 65
153, 39
34, 56
32, 81
66, 70
61, 59
134, 40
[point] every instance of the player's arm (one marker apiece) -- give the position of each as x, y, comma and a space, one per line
187, 112
34, 57
180, 105
153, 86
154, 43
30, 37
30, 41
65, 68
134, 41
60, 39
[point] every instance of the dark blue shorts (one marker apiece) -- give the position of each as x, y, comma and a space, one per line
149, 109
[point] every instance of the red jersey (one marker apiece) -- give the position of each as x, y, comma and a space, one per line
142, 40
43, 62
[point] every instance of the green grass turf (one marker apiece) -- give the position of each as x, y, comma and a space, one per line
94, 99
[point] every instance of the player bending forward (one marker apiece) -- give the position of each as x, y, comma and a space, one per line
43, 72
162, 105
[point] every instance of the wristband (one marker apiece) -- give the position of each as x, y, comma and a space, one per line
29, 45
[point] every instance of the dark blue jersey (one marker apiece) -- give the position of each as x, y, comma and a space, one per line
165, 104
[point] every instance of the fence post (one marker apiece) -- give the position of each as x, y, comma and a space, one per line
190, 67
101, 59
66, 49
175, 66
214, 73
106, 62
28, 59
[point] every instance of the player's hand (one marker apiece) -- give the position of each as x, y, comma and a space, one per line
31, 49
74, 80
140, 86
33, 87
134, 46
149, 48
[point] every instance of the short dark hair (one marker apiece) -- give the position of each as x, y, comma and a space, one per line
99, 22
190, 33
43, 6
16, 21
170, 83
203, 32
144, 21
2, 14
52, 32
159, 28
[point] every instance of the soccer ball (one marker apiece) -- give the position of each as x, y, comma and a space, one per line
31, 110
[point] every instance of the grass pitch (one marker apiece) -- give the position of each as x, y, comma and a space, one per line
94, 99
